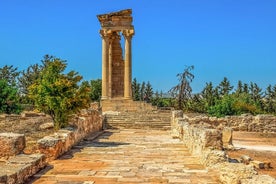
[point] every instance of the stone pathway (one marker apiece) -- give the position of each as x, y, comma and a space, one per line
127, 156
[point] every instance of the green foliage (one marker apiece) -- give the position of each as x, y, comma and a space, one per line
96, 90
141, 92
234, 105
223, 107
26, 79
224, 87
59, 94
10, 74
148, 92
136, 90
9, 98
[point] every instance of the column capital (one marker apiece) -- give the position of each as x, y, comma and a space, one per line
105, 33
128, 33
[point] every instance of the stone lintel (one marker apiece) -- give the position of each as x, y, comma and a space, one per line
126, 12
121, 18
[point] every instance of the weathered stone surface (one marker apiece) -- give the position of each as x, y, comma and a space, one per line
46, 126
233, 173
11, 144
55, 145
19, 168
31, 114
256, 179
128, 156
206, 144
245, 122
227, 138
245, 159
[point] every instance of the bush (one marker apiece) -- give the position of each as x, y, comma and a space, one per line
9, 99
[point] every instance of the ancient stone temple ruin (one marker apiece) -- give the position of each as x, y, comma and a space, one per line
116, 62
116, 68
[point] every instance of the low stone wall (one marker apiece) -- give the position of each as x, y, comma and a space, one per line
245, 122
206, 142
55, 145
19, 168
11, 144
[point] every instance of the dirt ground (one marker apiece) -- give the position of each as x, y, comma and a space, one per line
29, 127
258, 146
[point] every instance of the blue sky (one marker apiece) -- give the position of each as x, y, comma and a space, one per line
221, 38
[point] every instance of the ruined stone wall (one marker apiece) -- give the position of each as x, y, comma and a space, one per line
55, 145
205, 141
259, 123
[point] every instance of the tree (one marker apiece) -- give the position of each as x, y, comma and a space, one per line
10, 74
256, 94
224, 87
9, 98
209, 94
135, 90
95, 90
239, 89
183, 90
245, 88
59, 94
270, 99
26, 79
148, 92
142, 91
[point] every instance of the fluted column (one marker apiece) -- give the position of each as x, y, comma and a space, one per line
127, 72
105, 43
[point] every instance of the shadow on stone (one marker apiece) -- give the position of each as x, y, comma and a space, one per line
106, 144
38, 175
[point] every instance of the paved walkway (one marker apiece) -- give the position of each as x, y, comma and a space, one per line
127, 156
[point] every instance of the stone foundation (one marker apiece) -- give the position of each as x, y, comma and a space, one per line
206, 142
122, 105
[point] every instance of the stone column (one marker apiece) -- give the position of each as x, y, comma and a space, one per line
105, 44
110, 58
127, 73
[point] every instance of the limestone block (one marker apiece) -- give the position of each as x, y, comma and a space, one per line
227, 137
31, 114
11, 144
46, 126
212, 139
233, 173
19, 168
50, 146
246, 159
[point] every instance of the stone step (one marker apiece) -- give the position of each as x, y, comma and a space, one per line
159, 120
19, 168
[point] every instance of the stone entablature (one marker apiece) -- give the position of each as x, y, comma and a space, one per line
116, 69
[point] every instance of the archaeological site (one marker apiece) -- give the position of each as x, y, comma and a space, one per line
120, 140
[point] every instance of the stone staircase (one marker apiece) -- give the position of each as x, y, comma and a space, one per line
155, 119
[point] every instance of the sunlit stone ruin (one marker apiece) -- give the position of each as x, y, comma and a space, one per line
125, 141
117, 62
